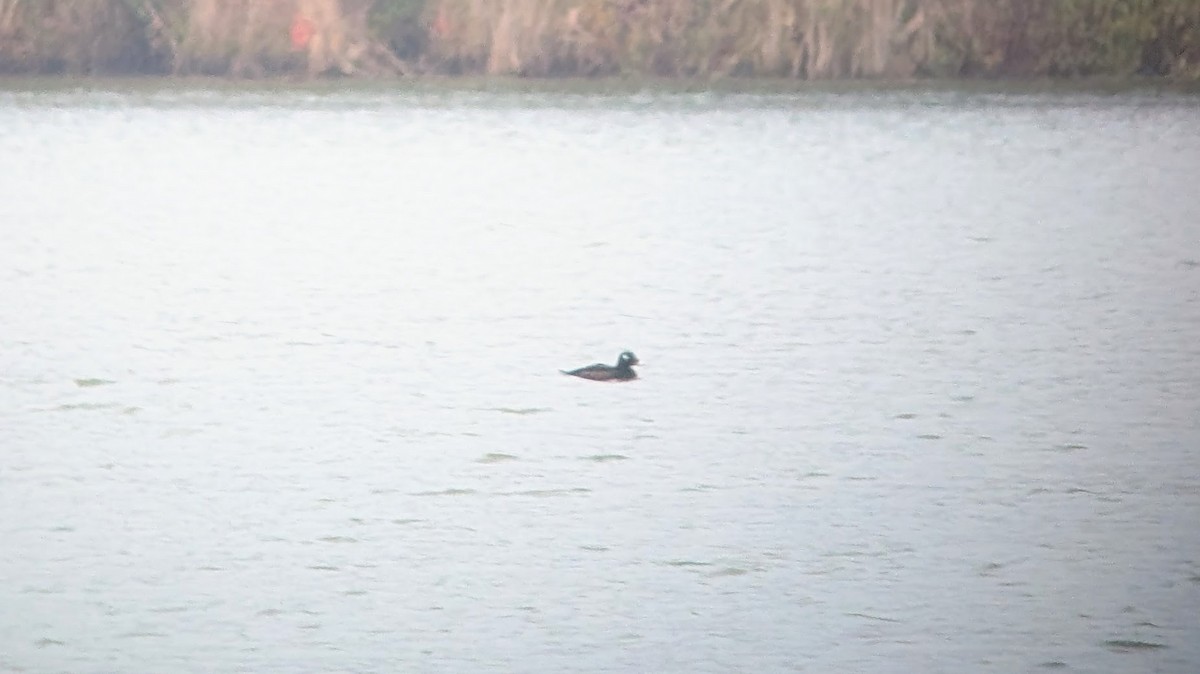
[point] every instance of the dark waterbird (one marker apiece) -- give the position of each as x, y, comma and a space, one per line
623, 371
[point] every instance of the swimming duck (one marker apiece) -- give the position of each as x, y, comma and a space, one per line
601, 372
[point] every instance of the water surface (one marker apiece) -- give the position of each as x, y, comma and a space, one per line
279, 382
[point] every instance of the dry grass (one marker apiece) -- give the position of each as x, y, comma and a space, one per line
811, 39
816, 39
252, 38
84, 37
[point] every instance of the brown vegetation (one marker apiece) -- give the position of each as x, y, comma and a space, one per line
81, 37
808, 39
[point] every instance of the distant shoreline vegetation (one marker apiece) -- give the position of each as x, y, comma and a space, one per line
707, 39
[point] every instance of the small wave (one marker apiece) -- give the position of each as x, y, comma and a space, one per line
496, 457
728, 571
547, 492
181, 432
446, 492
92, 381
601, 458
868, 616
69, 407
521, 410
990, 568
46, 643
1130, 645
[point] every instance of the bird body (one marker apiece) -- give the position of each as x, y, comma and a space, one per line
622, 371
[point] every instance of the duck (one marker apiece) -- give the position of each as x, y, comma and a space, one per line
622, 371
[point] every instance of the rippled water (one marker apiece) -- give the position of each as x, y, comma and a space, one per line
279, 382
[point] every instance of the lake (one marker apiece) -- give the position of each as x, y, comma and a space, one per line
280, 388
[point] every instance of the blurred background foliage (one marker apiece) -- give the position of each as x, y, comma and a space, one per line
803, 39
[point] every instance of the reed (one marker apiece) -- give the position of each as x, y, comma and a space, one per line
816, 39
808, 39
1067, 38
255, 38
84, 37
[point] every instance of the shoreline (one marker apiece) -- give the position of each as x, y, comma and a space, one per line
1099, 85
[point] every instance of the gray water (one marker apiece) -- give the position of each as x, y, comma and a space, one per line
280, 389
